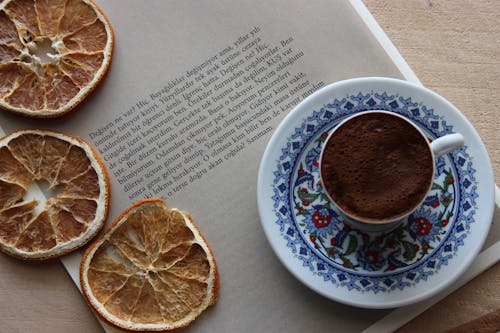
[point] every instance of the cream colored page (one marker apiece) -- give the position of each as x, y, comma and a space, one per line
195, 90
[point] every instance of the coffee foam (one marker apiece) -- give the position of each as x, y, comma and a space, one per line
377, 167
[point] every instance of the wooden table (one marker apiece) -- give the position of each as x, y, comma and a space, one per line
453, 47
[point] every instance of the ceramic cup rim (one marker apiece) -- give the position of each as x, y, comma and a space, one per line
376, 221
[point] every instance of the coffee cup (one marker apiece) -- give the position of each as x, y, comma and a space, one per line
377, 167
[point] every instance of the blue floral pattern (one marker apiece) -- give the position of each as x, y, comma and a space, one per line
315, 232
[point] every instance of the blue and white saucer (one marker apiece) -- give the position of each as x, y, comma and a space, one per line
406, 265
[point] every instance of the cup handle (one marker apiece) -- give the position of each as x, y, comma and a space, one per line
447, 143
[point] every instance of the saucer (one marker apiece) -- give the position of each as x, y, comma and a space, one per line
415, 261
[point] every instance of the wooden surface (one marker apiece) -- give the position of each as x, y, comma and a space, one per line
31, 293
453, 47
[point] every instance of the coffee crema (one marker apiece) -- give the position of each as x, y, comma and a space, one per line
377, 167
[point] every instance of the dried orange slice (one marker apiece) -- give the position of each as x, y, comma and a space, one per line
152, 270
77, 191
53, 53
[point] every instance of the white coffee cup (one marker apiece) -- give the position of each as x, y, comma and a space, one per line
438, 147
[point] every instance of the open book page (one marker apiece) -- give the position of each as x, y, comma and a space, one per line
195, 91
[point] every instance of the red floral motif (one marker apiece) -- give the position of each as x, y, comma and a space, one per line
444, 223
333, 241
315, 163
423, 226
304, 190
372, 255
320, 220
312, 238
451, 180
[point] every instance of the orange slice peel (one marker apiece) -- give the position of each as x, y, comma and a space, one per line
53, 54
34, 226
152, 270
